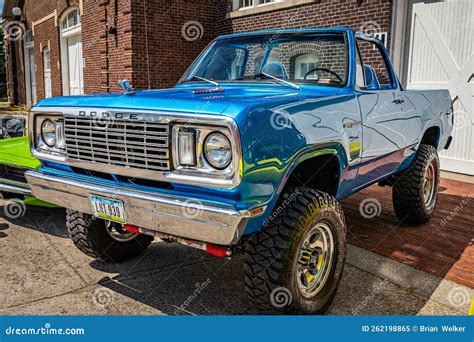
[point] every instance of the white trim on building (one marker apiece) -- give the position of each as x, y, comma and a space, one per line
30, 69
72, 62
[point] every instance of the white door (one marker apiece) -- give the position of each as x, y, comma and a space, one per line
32, 71
47, 73
441, 56
74, 51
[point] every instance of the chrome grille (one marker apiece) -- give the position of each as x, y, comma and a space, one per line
133, 144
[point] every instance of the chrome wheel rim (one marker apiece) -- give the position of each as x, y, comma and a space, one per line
429, 185
315, 260
116, 232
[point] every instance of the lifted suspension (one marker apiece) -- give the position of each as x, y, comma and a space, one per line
213, 249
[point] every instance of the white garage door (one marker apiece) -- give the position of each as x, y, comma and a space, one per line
441, 56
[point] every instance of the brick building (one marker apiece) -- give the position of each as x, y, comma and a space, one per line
63, 47
85, 46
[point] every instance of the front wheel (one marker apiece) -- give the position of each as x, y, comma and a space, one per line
415, 192
294, 265
104, 240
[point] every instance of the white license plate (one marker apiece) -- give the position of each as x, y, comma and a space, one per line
108, 208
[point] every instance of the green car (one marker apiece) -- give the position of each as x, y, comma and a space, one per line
15, 159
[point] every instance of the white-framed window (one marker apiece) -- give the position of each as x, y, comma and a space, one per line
244, 4
305, 66
72, 19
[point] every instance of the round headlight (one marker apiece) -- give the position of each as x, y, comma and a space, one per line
218, 150
48, 132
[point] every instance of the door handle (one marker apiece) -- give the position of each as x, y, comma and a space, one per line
398, 101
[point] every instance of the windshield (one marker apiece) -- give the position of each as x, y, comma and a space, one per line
304, 58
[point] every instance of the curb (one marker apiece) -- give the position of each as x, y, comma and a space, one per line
455, 296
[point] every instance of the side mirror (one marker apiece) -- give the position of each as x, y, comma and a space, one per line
371, 78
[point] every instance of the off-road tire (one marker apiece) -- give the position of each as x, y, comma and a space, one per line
91, 237
408, 190
271, 255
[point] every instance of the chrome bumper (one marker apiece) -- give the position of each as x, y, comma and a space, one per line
179, 216
14, 187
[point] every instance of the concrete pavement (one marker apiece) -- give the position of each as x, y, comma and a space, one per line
43, 273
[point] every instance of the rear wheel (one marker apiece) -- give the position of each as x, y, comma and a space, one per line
104, 239
295, 263
415, 192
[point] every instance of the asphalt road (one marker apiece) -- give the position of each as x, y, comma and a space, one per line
42, 273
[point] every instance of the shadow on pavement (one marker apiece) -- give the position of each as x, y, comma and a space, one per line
178, 280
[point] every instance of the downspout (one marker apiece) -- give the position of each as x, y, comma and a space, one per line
146, 46
107, 66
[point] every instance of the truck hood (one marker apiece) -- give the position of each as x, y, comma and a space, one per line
199, 99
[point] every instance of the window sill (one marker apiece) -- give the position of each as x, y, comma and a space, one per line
244, 12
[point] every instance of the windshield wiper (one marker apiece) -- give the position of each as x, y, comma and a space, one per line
279, 80
202, 79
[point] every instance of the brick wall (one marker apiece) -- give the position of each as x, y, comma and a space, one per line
106, 44
46, 34
371, 15
144, 42
174, 33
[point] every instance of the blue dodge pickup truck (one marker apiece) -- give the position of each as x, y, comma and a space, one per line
250, 152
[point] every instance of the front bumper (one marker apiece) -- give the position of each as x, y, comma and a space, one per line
168, 214
14, 187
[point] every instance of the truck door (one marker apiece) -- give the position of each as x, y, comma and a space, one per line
390, 125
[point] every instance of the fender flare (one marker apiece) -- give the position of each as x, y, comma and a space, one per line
431, 124
327, 149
